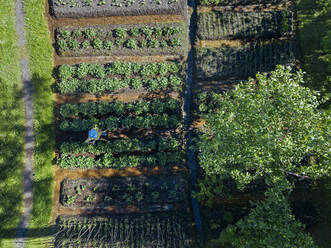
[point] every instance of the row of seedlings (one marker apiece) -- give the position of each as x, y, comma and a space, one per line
235, 43
141, 134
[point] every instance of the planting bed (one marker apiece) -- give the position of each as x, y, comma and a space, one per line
166, 230
216, 25
122, 153
99, 8
100, 193
117, 40
239, 2
244, 61
118, 76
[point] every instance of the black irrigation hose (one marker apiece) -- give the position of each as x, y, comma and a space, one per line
187, 109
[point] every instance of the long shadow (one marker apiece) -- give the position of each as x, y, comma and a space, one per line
11, 148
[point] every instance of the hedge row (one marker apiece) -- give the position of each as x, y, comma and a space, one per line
114, 123
120, 146
94, 86
109, 161
119, 108
118, 68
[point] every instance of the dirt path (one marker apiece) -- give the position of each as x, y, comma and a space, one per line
29, 136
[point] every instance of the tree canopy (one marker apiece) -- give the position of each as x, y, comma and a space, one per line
266, 127
269, 225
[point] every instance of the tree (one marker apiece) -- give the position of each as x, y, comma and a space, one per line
266, 127
269, 225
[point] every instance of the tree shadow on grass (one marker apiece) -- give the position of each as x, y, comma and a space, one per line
11, 157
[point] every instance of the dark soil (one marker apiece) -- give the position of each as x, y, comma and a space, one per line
136, 9
100, 193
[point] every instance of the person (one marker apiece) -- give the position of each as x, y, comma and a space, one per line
94, 135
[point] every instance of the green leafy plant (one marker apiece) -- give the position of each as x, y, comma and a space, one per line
97, 43
131, 43
120, 33
90, 33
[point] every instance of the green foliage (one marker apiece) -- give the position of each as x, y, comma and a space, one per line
266, 128
73, 44
149, 37
120, 33
113, 123
121, 146
131, 43
97, 43
107, 160
69, 83
90, 33
313, 18
269, 225
66, 71
141, 107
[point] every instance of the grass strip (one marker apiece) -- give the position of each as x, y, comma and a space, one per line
11, 127
41, 66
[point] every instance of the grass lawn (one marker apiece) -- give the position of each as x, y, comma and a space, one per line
41, 65
11, 127
314, 37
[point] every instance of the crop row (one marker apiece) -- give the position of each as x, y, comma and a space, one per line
99, 8
238, 2
244, 61
118, 39
107, 160
111, 85
125, 145
117, 108
236, 25
166, 230
118, 69
122, 191
114, 123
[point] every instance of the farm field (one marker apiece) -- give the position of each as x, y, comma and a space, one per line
136, 175
123, 93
